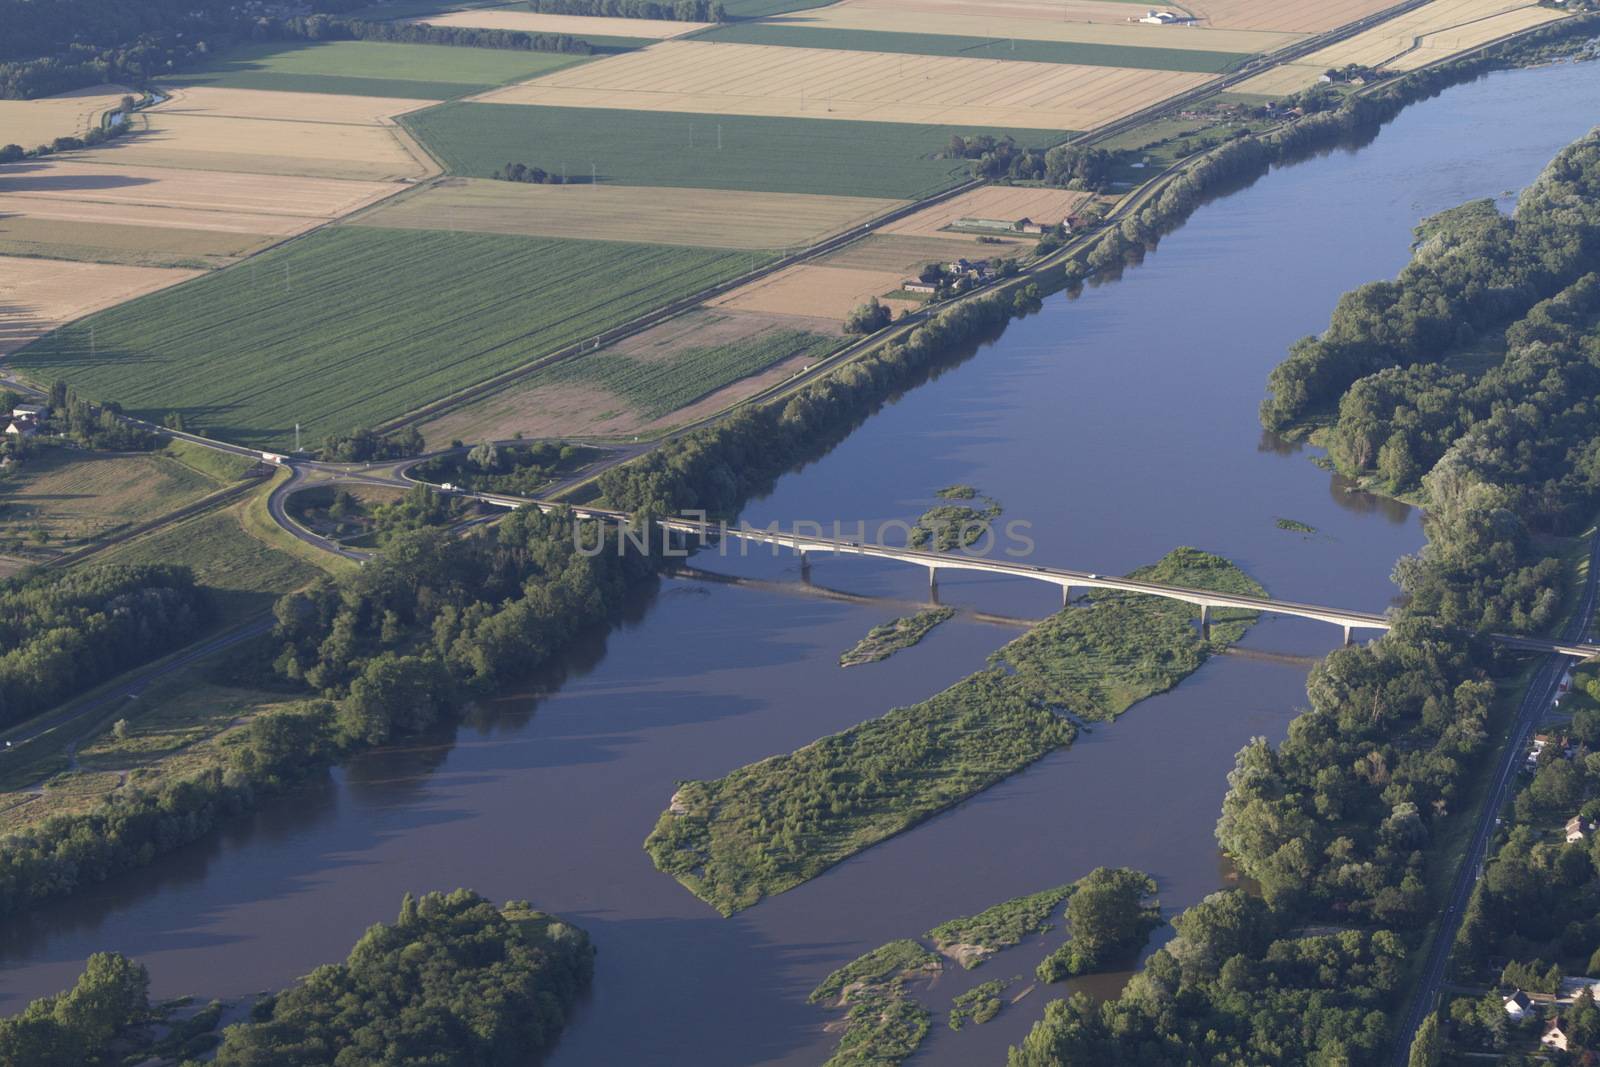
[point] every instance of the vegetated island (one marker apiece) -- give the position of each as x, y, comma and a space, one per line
772, 825
951, 526
980, 1003
885, 991
884, 641
1295, 526
454, 982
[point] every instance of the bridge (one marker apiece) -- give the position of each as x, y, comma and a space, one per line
1207, 600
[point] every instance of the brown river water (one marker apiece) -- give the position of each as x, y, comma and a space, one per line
1119, 424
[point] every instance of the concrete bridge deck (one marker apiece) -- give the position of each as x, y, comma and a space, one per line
1067, 579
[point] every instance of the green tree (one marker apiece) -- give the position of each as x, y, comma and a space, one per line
1427, 1048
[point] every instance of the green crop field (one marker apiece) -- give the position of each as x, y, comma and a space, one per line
780, 155
760, 9
352, 326
936, 44
657, 386
371, 68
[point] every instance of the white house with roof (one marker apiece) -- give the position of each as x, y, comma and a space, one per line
1518, 1005
1555, 1034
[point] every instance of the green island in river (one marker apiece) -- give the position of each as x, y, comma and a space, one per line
885, 1019
769, 826
884, 641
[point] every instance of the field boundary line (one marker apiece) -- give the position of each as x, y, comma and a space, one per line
667, 311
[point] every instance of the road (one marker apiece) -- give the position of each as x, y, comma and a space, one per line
134, 683
1536, 701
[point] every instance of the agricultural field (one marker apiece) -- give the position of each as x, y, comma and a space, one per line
1293, 16
709, 218
816, 291
1001, 202
895, 17
586, 27
221, 103
1432, 47
1007, 49
308, 146
1414, 39
31, 123
702, 362
742, 79
155, 216
351, 326
370, 68
904, 256
783, 155
657, 383
38, 295
756, 9
63, 498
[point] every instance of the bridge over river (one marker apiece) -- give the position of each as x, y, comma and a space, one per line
807, 545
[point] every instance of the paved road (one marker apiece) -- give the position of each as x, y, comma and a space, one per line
1536, 701
135, 682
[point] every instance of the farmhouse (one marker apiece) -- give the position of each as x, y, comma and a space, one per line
1517, 1005
1578, 829
29, 411
917, 285
21, 428
1162, 18
1555, 1034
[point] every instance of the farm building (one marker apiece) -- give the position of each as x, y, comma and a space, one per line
1517, 1005
917, 285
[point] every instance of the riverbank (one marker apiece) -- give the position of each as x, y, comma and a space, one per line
697, 679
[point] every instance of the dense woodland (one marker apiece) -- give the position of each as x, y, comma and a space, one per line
1336, 823
1474, 272
78, 1028
64, 632
454, 982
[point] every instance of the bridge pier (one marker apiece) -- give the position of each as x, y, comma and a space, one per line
1347, 635
933, 585
1205, 620
805, 568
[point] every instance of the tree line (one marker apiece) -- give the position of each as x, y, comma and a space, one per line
675, 11
65, 632
454, 982
1474, 272
1070, 165
337, 28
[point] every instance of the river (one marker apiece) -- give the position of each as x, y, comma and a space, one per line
1119, 423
